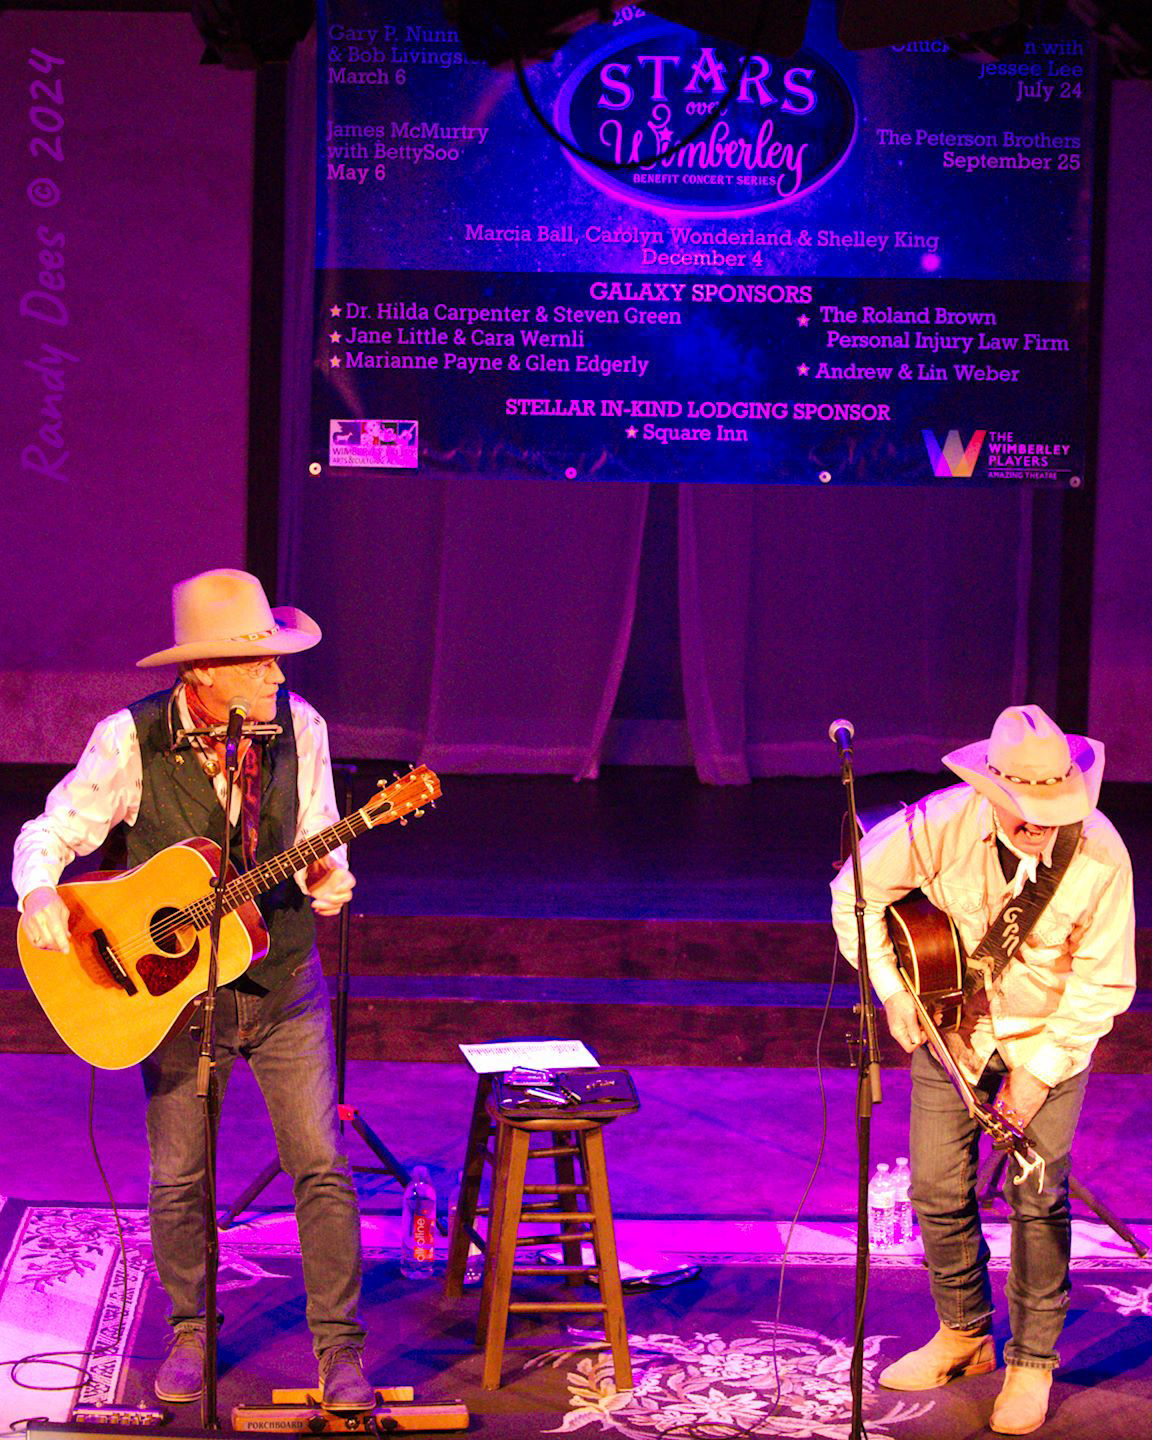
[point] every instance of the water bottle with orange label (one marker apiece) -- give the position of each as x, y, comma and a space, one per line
418, 1227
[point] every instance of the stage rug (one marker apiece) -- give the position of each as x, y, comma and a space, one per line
712, 1356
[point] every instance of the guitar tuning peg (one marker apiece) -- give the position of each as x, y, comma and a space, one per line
419, 812
404, 821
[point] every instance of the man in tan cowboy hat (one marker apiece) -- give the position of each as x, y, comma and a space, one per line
1026, 808
142, 785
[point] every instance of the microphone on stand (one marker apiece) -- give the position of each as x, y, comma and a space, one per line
237, 713
840, 732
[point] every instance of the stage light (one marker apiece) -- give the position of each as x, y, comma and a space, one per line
1125, 26
244, 34
866, 25
503, 32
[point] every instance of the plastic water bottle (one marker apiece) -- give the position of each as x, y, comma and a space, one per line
881, 1208
904, 1217
474, 1265
418, 1227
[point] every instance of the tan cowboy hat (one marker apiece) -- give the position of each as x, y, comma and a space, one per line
225, 613
1030, 766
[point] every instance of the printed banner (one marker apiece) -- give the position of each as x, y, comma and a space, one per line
670, 261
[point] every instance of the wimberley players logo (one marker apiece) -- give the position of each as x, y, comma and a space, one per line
953, 460
788, 127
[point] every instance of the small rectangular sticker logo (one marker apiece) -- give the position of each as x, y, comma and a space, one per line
384, 444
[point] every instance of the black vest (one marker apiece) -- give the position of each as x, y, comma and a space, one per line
177, 800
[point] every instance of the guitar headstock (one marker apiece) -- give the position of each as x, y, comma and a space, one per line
406, 795
1007, 1136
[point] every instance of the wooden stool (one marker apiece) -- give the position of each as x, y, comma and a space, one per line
479, 1151
574, 1140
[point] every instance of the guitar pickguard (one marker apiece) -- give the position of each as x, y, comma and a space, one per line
176, 955
161, 973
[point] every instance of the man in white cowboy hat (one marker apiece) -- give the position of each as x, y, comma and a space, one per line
1026, 808
142, 785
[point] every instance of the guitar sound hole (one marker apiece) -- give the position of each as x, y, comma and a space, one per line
169, 940
177, 953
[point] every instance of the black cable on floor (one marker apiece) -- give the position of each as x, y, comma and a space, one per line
53, 1357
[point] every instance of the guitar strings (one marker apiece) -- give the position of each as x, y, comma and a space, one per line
135, 947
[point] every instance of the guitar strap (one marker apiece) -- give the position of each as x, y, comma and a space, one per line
1018, 918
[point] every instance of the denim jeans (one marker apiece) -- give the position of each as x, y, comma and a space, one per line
943, 1191
286, 1037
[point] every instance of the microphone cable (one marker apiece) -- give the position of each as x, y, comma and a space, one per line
55, 1357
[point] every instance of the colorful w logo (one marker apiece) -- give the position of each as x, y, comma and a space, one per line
952, 460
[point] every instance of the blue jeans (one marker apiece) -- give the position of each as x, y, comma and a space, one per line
286, 1037
943, 1191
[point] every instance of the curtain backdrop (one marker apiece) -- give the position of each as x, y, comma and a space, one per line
150, 230
484, 624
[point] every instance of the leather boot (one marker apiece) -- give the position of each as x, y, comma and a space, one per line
181, 1376
1022, 1405
947, 1356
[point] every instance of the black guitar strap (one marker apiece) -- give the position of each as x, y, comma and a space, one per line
1018, 918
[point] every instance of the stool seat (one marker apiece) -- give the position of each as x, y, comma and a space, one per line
574, 1142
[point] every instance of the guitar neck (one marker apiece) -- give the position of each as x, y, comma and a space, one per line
264, 876
269, 873
994, 1125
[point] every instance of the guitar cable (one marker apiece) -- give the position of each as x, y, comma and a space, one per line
54, 1357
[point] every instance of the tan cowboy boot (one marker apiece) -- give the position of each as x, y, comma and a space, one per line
1022, 1405
947, 1356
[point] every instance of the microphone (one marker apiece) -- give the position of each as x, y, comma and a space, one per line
840, 732
237, 714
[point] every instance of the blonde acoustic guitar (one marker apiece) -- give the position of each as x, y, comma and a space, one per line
137, 960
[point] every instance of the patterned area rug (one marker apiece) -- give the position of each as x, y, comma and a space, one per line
711, 1357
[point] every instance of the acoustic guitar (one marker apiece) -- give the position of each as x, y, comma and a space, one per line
933, 968
137, 960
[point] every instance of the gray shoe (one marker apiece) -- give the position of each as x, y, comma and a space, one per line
181, 1376
342, 1383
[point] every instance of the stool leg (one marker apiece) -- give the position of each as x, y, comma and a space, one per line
495, 1222
504, 1259
607, 1263
465, 1222
566, 1175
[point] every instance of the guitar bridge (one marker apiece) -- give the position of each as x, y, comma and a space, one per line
112, 965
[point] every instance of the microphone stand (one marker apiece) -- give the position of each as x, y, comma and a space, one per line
208, 1091
867, 1095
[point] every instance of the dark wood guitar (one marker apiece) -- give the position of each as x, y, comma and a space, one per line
933, 969
137, 960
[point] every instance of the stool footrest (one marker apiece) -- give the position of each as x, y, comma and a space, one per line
554, 1270
546, 1241
567, 1217
558, 1189
544, 1151
551, 1307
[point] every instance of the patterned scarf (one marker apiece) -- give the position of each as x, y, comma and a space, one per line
248, 772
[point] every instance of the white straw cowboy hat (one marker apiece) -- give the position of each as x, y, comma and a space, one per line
225, 613
1030, 766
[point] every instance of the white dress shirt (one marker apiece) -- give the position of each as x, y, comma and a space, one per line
103, 790
1072, 975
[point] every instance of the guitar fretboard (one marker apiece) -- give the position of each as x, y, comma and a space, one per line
264, 876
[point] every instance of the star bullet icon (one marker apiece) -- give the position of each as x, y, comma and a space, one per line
334, 337
803, 320
801, 369
335, 310
335, 362
631, 432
